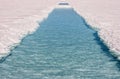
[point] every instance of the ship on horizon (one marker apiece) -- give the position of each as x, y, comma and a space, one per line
63, 3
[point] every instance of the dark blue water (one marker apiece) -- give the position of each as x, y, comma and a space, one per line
63, 47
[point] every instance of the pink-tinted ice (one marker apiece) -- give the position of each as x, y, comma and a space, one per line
20, 17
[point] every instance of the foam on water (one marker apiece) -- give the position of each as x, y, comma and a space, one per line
63, 47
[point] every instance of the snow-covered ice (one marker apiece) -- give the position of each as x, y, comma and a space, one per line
18, 18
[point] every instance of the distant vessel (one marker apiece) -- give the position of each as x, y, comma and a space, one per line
63, 3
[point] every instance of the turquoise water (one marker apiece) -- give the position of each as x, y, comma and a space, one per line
63, 47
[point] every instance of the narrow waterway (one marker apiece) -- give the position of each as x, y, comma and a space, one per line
63, 47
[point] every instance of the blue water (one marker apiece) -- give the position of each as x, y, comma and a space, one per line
63, 47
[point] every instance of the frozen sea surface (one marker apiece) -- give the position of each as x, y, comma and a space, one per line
63, 47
